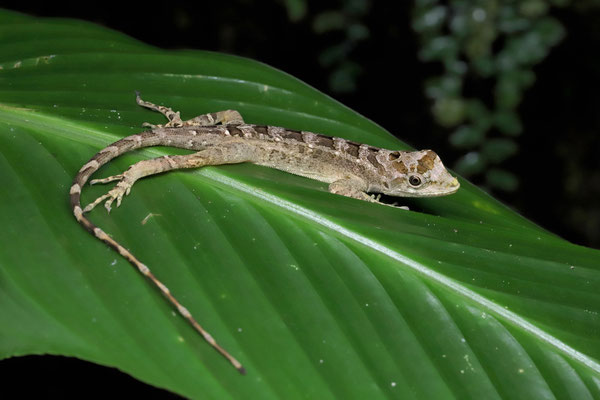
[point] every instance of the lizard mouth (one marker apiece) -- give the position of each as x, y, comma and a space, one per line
454, 185
451, 188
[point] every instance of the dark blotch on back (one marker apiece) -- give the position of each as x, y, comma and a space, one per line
394, 156
352, 149
326, 141
292, 134
234, 131
261, 129
373, 160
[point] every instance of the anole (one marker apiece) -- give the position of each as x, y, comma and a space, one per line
351, 169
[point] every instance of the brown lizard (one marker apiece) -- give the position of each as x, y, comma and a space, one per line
351, 169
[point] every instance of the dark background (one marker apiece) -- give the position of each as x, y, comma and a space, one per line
558, 158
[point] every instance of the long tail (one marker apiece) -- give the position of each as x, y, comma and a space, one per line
124, 145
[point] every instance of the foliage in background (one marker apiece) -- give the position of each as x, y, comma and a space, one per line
483, 56
345, 22
487, 50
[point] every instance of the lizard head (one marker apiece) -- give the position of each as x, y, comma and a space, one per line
417, 174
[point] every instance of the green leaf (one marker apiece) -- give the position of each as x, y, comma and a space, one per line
318, 295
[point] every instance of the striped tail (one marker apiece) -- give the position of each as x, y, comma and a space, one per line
124, 145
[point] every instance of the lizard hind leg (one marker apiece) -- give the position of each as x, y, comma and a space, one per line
127, 179
227, 153
226, 117
173, 116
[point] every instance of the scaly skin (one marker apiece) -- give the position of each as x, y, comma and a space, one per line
351, 169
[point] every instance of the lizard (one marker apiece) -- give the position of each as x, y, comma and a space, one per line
350, 169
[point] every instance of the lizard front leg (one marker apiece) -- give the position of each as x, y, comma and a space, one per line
351, 187
357, 189
227, 153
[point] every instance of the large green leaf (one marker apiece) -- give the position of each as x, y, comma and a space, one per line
318, 295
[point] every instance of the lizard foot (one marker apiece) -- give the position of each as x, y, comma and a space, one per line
121, 189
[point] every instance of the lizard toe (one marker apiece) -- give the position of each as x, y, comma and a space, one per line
106, 180
91, 206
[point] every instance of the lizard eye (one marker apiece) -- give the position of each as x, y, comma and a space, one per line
414, 181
